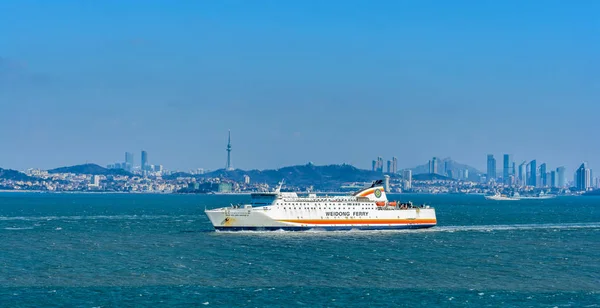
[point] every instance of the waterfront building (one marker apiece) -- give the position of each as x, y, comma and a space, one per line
560, 177
128, 161
491, 168
583, 178
433, 165
144, 161
532, 174
523, 174
246, 179
373, 165
407, 178
389, 166
394, 165
506, 169
543, 178
553, 180
387, 182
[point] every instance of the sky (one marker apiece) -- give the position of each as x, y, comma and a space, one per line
327, 82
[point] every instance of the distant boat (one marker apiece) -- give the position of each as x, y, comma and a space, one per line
500, 197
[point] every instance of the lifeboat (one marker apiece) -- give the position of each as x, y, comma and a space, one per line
393, 203
380, 203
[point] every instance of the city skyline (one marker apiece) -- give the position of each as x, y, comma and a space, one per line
294, 79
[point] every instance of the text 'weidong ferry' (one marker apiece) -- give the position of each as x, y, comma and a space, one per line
367, 209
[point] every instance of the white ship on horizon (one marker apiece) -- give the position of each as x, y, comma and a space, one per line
502, 197
366, 209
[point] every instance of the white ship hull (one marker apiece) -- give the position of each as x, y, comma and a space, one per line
502, 198
539, 197
367, 209
267, 218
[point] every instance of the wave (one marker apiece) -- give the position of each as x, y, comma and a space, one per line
15, 229
94, 217
471, 228
488, 228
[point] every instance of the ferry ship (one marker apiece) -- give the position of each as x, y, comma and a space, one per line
366, 209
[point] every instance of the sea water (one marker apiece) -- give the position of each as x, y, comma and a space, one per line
105, 250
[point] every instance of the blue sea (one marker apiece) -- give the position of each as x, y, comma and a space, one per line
107, 250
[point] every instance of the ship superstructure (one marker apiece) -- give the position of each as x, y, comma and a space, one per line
367, 209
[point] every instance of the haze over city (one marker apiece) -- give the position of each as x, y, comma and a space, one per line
297, 81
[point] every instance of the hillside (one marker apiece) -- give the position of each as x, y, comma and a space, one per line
14, 175
92, 169
453, 165
324, 177
430, 177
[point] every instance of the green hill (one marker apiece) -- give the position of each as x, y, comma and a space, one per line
321, 177
14, 175
92, 169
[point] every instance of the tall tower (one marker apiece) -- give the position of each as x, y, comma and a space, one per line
144, 160
491, 168
228, 167
506, 169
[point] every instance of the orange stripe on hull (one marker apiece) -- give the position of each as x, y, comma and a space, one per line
360, 221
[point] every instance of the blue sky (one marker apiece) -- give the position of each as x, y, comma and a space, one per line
298, 81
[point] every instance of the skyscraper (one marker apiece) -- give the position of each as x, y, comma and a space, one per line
373, 165
506, 169
380, 164
144, 160
583, 178
491, 168
448, 168
394, 165
228, 166
560, 177
433, 165
389, 166
543, 175
532, 176
553, 179
407, 177
387, 182
128, 161
523, 174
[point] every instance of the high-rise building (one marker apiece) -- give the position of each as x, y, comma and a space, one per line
145, 161
448, 167
523, 174
433, 165
379, 164
491, 168
407, 178
389, 166
373, 165
543, 177
583, 178
246, 179
553, 182
394, 165
532, 176
506, 169
228, 165
128, 161
560, 177
387, 182
95, 181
